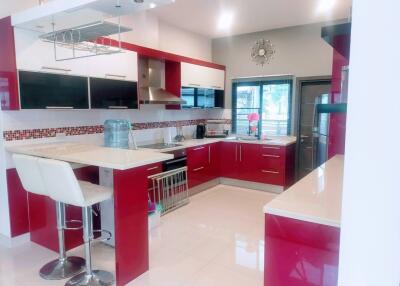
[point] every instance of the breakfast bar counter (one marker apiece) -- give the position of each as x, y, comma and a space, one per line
129, 180
302, 230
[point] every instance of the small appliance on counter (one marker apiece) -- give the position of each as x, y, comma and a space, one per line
116, 133
200, 131
179, 134
216, 129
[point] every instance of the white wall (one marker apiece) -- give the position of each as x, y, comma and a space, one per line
370, 233
299, 51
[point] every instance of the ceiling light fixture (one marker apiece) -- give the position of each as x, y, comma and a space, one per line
325, 5
225, 21
152, 5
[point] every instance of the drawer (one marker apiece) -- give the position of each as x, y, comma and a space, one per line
271, 176
272, 150
198, 156
197, 175
271, 161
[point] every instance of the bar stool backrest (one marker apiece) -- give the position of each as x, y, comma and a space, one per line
60, 180
29, 174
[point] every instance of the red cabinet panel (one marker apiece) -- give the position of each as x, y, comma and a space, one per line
214, 151
229, 160
248, 156
300, 253
198, 161
8, 67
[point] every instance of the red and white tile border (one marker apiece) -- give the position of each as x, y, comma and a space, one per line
17, 135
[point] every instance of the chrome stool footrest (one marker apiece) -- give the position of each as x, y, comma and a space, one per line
73, 221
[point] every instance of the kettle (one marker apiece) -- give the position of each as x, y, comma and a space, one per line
200, 131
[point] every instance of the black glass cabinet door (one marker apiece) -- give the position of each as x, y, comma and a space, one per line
109, 93
45, 90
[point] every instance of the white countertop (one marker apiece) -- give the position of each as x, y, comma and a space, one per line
316, 198
90, 154
277, 140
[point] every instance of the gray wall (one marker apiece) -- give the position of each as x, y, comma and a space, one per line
300, 51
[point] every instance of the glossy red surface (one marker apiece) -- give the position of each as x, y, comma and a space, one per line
131, 224
157, 54
215, 157
173, 80
298, 253
18, 206
8, 67
229, 163
198, 163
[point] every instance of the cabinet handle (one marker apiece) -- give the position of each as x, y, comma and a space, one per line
194, 84
216, 86
240, 153
269, 172
236, 157
115, 75
199, 148
209, 154
117, 107
59, 107
55, 69
270, 147
271, 156
198, 169
153, 168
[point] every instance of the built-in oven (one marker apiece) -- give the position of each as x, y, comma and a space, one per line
179, 160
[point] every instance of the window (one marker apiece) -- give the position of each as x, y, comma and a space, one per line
270, 99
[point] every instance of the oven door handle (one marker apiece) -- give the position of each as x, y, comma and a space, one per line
175, 161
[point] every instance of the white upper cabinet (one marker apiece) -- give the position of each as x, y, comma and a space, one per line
200, 76
33, 54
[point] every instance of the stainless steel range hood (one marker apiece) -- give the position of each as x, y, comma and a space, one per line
156, 95
152, 83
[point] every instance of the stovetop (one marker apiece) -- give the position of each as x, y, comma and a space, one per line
161, 146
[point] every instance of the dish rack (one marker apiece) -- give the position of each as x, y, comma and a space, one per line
217, 128
170, 189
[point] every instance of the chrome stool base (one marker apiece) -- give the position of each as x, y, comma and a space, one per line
62, 268
97, 278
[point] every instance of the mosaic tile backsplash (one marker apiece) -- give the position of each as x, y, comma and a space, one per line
14, 135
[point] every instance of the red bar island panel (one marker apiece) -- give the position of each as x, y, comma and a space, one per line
300, 253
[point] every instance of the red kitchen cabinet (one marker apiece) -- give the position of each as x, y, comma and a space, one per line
152, 170
248, 155
198, 164
229, 160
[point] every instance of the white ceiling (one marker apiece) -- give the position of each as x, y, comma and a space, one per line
202, 16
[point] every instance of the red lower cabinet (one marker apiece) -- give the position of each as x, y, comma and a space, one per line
229, 160
300, 253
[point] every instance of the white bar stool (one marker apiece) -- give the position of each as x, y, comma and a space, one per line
60, 179
32, 181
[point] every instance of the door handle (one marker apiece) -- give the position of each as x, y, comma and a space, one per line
153, 168
198, 169
269, 172
199, 148
271, 156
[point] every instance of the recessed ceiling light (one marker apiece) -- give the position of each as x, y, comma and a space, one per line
325, 6
152, 5
225, 20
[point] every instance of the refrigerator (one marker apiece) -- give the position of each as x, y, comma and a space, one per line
322, 118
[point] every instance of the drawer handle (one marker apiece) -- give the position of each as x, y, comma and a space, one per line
269, 147
194, 84
115, 75
271, 156
59, 107
199, 148
117, 107
216, 86
55, 69
269, 172
198, 169
153, 168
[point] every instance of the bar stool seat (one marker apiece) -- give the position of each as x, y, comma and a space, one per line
32, 181
81, 194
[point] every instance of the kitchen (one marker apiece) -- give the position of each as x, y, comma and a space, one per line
231, 132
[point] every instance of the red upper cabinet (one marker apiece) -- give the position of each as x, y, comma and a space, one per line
8, 67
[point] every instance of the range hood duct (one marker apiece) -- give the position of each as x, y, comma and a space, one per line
152, 83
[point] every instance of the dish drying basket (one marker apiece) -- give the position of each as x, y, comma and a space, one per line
170, 189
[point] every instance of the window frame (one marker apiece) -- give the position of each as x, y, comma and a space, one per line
261, 84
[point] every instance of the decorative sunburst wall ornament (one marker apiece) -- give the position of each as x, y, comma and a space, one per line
262, 52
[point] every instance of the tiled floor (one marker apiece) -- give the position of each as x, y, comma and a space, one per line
215, 240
